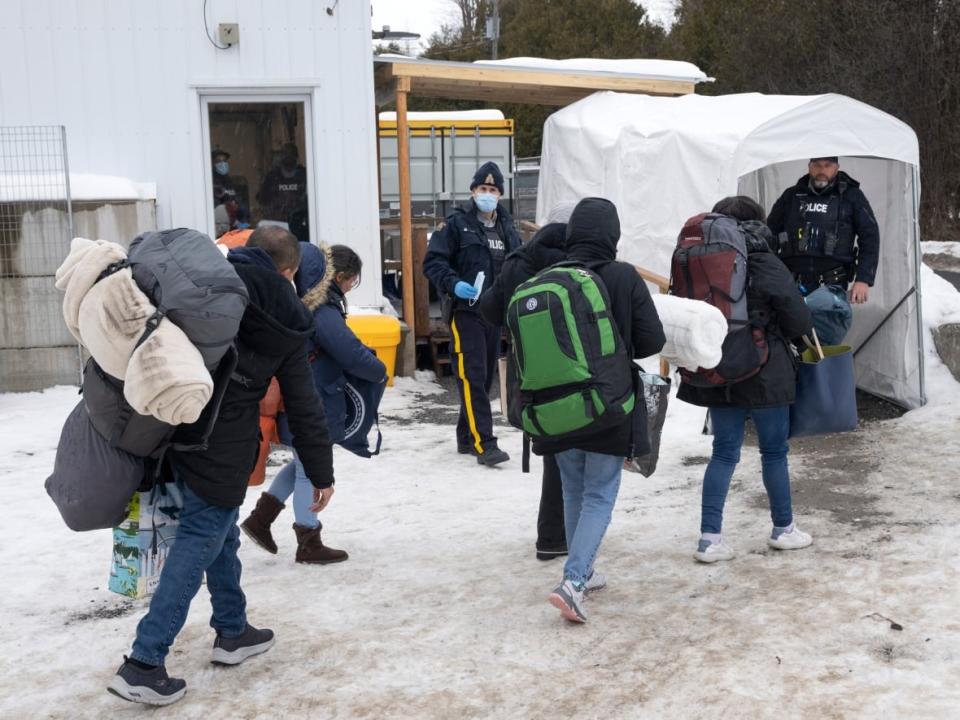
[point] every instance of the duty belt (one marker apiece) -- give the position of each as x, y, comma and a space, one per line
812, 280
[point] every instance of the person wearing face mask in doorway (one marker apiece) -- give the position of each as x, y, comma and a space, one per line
222, 182
474, 239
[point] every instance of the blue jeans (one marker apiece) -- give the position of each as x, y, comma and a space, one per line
292, 480
773, 428
207, 541
590, 485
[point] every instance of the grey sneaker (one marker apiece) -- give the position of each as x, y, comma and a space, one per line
233, 651
596, 581
150, 687
568, 599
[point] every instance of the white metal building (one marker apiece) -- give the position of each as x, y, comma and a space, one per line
145, 94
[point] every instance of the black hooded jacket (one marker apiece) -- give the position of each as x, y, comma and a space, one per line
459, 250
855, 227
272, 341
772, 295
592, 236
546, 248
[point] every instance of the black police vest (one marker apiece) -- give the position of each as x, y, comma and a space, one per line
819, 226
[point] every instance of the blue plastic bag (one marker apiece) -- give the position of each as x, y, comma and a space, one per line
832, 314
826, 393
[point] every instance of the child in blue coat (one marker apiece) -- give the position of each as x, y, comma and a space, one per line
324, 278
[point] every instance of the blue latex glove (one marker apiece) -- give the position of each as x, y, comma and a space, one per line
465, 290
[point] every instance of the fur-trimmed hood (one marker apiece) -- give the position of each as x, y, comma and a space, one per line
315, 275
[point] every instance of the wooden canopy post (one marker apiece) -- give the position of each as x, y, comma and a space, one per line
406, 211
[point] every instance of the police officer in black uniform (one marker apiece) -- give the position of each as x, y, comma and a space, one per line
826, 232
474, 238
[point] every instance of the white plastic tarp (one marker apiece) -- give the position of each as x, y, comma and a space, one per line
662, 160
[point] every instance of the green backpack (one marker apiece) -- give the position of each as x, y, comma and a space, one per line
571, 375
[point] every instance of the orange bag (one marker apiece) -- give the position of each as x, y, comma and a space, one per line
234, 238
270, 407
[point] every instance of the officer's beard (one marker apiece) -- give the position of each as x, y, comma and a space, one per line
820, 185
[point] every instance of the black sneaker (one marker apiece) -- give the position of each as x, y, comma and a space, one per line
150, 687
549, 553
491, 457
233, 651
466, 449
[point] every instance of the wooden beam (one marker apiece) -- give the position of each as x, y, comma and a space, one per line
406, 229
520, 94
532, 78
421, 286
663, 284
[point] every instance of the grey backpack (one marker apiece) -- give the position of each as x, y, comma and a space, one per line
190, 282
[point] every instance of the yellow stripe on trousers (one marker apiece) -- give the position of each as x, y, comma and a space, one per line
467, 399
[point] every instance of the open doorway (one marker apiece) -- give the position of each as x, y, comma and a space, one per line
259, 164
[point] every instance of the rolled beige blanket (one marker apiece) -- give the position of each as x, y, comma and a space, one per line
113, 317
695, 332
166, 377
78, 273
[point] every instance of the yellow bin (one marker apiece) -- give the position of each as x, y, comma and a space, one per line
382, 334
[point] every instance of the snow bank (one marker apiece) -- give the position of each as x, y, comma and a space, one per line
27, 187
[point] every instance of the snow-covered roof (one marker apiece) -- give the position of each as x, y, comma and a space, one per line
665, 69
447, 115
32, 187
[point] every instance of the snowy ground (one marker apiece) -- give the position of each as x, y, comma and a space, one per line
441, 610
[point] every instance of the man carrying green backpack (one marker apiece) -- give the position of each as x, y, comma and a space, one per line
574, 329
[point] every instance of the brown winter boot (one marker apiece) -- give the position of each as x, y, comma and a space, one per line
257, 526
311, 550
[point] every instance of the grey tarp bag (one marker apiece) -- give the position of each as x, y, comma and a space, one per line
190, 282
92, 482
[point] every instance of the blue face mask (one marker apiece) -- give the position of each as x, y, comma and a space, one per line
486, 202
222, 167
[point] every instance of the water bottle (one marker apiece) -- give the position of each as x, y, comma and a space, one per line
478, 286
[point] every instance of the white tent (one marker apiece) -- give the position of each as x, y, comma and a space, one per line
662, 160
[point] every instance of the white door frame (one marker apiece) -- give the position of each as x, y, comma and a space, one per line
206, 95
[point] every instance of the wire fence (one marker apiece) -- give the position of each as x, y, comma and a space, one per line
36, 225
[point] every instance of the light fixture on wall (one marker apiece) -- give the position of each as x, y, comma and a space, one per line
333, 7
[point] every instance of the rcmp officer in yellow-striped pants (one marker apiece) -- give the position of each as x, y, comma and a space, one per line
468, 249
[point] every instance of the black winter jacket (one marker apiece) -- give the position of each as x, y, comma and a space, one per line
272, 341
772, 295
546, 248
459, 250
592, 236
855, 226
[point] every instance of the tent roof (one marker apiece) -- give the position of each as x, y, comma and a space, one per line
755, 130
533, 80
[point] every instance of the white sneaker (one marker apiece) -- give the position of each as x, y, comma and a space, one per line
568, 599
711, 552
596, 581
793, 540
